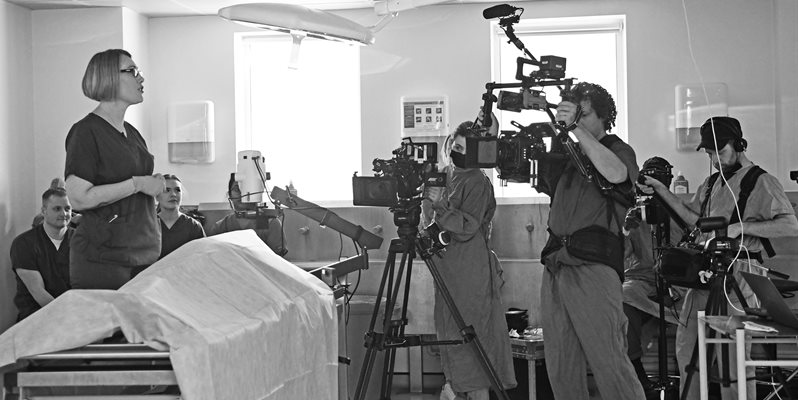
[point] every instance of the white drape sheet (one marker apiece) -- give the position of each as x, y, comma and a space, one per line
239, 322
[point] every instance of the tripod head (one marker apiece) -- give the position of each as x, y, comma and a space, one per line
407, 217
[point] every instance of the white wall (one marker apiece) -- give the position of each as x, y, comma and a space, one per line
135, 35
191, 59
786, 83
16, 144
445, 49
63, 43
751, 46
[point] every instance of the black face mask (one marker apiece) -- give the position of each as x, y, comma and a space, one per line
458, 159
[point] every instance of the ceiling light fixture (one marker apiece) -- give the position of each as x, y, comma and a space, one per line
299, 21
302, 21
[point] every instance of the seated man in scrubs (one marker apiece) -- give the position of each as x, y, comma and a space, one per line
40, 256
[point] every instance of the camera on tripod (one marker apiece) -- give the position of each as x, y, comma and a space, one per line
721, 249
648, 205
401, 178
691, 265
398, 184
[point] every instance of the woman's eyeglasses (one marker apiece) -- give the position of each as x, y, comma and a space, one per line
133, 70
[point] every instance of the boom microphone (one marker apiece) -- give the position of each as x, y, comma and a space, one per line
499, 11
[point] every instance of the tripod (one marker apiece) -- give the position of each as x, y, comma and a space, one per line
716, 305
392, 336
661, 237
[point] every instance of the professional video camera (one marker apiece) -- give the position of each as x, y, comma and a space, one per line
516, 154
400, 179
398, 184
652, 209
691, 265
512, 152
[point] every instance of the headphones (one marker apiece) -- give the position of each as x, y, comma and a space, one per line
740, 145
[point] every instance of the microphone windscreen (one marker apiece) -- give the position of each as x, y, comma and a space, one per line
498, 11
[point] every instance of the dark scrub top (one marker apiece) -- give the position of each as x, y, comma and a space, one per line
184, 230
33, 250
124, 233
580, 204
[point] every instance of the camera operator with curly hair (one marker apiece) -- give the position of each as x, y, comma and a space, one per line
581, 297
766, 213
472, 274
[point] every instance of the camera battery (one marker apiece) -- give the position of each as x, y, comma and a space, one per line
552, 67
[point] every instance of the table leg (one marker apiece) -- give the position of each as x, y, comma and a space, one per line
742, 387
702, 357
532, 378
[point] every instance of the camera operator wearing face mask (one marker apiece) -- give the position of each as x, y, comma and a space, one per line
472, 274
766, 213
581, 297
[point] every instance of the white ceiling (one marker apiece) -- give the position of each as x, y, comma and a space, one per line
160, 8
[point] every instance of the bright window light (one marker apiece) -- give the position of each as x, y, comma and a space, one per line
305, 121
594, 52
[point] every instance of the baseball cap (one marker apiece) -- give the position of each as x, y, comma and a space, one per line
726, 129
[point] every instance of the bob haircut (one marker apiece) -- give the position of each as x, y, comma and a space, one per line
101, 80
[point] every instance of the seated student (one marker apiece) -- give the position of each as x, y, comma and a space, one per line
177, 228
40, 256
268, 228
56, 183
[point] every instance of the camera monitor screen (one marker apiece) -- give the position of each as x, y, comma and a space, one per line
374, 191
481, 152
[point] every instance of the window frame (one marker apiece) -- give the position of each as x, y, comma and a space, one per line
566, 25
243, 103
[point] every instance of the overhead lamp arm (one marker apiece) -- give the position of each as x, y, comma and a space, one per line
292, 17
385, 7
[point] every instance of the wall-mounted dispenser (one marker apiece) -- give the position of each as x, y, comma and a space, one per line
695, 103
190, 135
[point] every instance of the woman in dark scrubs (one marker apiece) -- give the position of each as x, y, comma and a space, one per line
109, 179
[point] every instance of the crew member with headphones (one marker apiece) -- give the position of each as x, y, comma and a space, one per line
758, 209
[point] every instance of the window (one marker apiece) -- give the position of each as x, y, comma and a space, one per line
305, 121
594, 48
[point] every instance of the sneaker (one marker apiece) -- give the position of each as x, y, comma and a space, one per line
447, 393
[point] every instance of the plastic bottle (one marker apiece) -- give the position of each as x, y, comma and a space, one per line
680, 185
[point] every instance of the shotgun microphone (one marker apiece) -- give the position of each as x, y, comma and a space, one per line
499, 11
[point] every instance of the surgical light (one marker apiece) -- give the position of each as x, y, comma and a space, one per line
299, 21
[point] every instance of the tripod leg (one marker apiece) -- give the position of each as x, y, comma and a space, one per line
711, 307
390, 284
398, 329
371, 337
468, 333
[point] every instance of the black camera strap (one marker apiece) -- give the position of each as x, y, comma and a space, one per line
595, 243
746, 187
